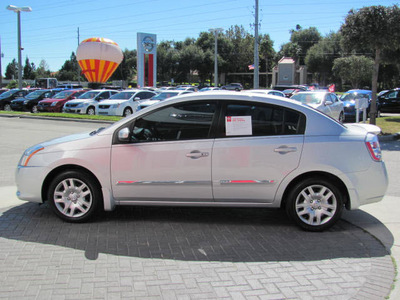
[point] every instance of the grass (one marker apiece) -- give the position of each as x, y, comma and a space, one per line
389, 125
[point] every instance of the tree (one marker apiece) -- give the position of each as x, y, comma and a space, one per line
376, 28
11, 70
354, 69
127, 68
70, 70
43, 70
320, 57
29, 70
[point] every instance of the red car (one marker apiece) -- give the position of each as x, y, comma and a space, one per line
56, 103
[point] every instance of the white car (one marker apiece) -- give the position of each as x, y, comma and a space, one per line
123, 103
211, 149
86, 103
323, 101
266, 92
160, 97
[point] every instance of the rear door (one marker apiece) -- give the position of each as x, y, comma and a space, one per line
257, 146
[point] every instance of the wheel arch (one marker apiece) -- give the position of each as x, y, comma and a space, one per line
328, 176
64, 168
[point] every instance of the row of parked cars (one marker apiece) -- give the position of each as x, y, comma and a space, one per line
126, 102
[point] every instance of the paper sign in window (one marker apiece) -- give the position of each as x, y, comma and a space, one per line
238, 125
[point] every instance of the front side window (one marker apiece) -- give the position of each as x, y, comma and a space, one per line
187, 121
261, 120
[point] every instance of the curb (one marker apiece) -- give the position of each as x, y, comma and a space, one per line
56, 119
390, 137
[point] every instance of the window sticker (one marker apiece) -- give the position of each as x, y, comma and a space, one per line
238, 125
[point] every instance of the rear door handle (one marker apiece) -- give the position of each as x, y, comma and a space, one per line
197, 154
285, 149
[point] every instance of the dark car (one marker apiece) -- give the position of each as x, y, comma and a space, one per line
56, 103
3, 91
349, 103
233, 87
389, 102
30, 101
7, 97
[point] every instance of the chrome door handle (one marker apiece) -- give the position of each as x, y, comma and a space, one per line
197, 154
285, 149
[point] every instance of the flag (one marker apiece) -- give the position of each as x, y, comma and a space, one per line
331, 88
251, 67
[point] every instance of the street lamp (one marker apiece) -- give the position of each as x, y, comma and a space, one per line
215, 31
18, 11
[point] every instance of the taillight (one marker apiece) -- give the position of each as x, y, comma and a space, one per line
373, 147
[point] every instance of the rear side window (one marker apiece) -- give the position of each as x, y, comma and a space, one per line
261, 120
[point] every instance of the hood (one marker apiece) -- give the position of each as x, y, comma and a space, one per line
68, 138
51, 100
348, 103
111, 102
77, 101
19, 100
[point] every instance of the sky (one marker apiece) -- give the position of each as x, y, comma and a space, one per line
50, 31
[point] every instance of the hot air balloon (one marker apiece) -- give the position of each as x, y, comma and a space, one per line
98, 58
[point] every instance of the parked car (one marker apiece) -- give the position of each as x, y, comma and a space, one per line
30, 101
389, 102
123, 103
326, 102
290, 92
160, 97
56, 103
209, 88
282, 87
188, 150
3, 91
187, 88
7, 97
86, 103
233, 87
267, 92
349, 104
69, 86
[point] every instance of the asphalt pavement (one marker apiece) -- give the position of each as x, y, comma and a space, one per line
190, 253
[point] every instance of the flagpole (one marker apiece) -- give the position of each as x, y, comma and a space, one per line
256, 67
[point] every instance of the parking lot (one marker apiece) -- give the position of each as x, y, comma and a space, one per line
187, 253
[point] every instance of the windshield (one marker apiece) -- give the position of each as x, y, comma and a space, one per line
164, 95
34, 94
352, 96
88, 95
8, 93
122, 96
62, 95
309, 98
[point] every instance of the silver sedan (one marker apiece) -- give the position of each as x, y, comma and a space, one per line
211, 149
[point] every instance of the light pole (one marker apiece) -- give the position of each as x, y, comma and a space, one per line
215, 31
18, 11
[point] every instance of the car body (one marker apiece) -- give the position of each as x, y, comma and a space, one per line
3, 91
267, 92
70, 86
211, 149
123, 103
187, 88
87, 102
56, 103
323, 101
389, 102
159, 97
7, 97
290, 92
233, 87
349, 99
31, 100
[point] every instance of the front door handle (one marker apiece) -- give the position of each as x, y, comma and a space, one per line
197, 154
285, 149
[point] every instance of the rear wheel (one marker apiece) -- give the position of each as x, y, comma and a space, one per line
34, 109
74, 196
7, 107
315, 204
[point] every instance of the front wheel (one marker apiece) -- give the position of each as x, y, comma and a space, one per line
74, 196
341, 117
315, 204
34, 109
90, 111
127, 111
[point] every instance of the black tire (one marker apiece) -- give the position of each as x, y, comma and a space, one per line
341, 117
127, 111
34, 109
7, 107
315, 204
91, 111
74, 196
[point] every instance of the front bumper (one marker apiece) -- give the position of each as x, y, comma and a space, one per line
29, 182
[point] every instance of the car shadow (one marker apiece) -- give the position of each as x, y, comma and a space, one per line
390, 145
195, 234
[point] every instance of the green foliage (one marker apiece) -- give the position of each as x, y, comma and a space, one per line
29, 70
11, 70
70, 71
354, 69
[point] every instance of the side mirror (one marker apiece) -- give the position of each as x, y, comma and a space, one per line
136, 98
123, 135
328, 102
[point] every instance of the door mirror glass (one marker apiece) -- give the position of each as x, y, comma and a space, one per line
123, 135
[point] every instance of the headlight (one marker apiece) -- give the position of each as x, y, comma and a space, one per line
115, 105
28, 155
26, 102
53, 104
